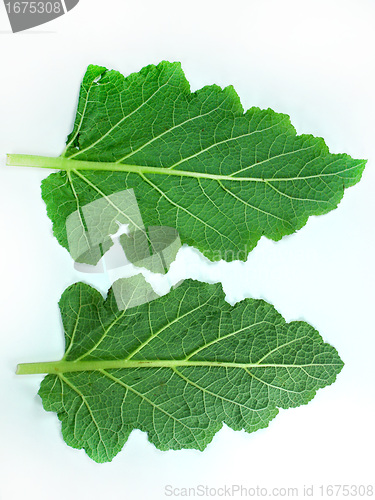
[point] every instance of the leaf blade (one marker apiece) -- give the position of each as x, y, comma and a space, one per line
178, 368
269, 179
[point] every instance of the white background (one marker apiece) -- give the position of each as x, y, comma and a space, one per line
311, 59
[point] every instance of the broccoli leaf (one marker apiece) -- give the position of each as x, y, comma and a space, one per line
196, 162
177, 368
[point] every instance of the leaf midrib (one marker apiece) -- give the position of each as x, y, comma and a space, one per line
61, 163
57, 367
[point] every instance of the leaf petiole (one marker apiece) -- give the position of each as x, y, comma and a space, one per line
62, 366
62, 163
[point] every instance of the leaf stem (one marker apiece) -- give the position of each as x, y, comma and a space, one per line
56, 367
61, 163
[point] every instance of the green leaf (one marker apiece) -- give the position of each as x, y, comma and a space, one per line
196, 161
177, 368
